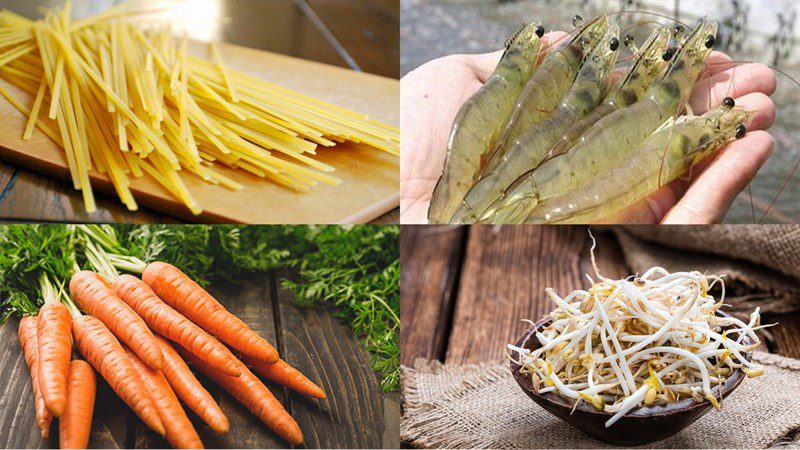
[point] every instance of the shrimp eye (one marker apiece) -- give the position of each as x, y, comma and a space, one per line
628, 40
740, 131
668, 54
678, 29
540, 31
729, 102
710, 41
614, 43
577, 20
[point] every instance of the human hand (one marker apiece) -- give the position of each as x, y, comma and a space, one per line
433, 93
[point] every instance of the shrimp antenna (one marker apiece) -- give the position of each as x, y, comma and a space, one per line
779, 193
650, 13
574, 31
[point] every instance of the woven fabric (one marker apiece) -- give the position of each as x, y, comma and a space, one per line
761, 264
481, 406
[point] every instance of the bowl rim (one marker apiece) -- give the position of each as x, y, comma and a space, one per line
684, 405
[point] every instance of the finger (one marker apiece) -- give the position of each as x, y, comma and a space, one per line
484, 64
763, 108
648, 210
709, 197
732, 82
717, 62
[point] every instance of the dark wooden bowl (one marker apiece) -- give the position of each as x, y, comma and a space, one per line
640, 425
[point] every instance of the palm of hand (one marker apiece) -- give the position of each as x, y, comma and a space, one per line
431, 98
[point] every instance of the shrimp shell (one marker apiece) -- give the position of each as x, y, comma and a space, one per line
547, 87
480, 122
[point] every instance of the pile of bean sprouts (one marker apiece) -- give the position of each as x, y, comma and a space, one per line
645, 340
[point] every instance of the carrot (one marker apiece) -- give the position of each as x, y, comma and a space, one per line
94, 295
55, 350
102, 350
251, 392
164, 320
189, 390
180, 432
28, 340
75, 424
282, 373
191, 300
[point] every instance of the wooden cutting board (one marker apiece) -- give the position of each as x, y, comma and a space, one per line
370, 178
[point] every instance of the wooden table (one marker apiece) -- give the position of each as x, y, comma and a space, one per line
363, 35
356, 414
465, 291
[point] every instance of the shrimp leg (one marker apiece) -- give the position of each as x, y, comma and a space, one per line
480, 122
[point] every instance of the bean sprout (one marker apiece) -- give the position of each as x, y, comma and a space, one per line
647, 340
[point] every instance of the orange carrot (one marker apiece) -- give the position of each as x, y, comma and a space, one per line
75, 424
180, 432
164, 320
189, 390
284, 374
183, 294
251, 392
102, 350
93, 294
55, 350
28, 340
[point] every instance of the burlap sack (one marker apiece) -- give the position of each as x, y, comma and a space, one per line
761, 263
481, 406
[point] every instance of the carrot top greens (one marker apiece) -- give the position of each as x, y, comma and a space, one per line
355, 268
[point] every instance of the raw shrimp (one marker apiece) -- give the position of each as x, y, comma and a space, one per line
610, 142
480, 121
663, 157
651, 62
547, 87
528, 151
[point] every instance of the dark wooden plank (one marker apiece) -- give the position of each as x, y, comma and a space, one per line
503, 279
250, 301
322, 347
18, 427
6, 175
38, 197
369, 31
430, 259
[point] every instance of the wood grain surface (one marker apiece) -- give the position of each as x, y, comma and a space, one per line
356, 413
367, 40
466, 290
